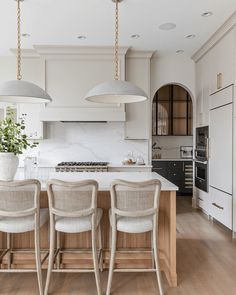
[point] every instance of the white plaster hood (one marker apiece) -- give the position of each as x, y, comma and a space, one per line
69, 72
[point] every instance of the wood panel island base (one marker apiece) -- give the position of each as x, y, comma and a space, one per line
139, 244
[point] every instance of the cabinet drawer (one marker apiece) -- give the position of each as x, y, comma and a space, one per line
221, 97
203, 200
221, 207
175, 167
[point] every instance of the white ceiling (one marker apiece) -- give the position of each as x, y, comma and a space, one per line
59, 22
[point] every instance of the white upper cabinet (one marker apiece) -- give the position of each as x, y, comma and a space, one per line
138, 114
202, 91
222, 63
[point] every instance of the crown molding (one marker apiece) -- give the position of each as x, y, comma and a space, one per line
77, 50
26, 53
216, 37
139, 54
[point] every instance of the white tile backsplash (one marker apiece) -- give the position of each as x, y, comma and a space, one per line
85, 142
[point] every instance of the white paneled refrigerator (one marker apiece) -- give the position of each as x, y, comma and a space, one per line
221, 163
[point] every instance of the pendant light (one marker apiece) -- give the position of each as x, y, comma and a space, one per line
116, 91
19, 91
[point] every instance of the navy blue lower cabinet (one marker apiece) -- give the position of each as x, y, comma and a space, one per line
178, 172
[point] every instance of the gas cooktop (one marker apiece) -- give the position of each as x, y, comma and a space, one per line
82, 167
72, 164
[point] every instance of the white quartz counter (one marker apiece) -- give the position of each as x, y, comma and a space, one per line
105, 178
169, 159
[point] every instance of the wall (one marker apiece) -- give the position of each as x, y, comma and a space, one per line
176, 69
86, 142
170, 146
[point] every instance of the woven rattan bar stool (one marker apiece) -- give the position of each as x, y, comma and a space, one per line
134, 209
73, 209
19, 213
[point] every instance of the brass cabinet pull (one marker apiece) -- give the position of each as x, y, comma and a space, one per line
219, 80
217, 206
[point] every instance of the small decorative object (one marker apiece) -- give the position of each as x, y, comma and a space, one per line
156, 151
140, 160
13, 142
129, 159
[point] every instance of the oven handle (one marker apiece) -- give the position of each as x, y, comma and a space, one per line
200, 162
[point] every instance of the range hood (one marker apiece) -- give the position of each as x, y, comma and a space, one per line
69, 114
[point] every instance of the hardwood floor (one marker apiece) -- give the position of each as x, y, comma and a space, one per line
206, 265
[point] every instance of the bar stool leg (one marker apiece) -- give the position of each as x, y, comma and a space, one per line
58, 249
38, 259
9, 250
51, 255
158, 273
112, 259
95, 260
153, 260
100, 247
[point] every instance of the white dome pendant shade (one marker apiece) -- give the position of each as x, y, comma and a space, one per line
115, 92
20, 91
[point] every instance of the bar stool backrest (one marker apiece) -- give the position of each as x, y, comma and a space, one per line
19, 198
72, 199
135, 199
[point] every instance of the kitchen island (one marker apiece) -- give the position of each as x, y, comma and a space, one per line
141, 257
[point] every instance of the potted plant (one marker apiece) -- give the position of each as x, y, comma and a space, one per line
13, 142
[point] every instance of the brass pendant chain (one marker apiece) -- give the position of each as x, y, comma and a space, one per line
19, 76
117, 42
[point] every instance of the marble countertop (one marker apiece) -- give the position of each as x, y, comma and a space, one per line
118, 165
105, 178
174, 159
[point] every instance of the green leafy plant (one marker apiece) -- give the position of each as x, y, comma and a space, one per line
12, 137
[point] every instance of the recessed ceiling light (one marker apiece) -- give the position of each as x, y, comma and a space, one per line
180, 51
191, 36
167, 26
135, 36
81, 37
25, 35
207, 13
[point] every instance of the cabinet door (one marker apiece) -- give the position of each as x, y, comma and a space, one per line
160, 167
221, 142
30, 114
138, 114
221, 207
205, 73
222, 62
199, 94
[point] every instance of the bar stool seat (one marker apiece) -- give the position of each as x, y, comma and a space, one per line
76, 224
133, 225
22, 224
134, 209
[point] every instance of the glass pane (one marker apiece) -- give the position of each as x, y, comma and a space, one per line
179, 109
179, 93
163, 118
190, 127
179, 127
154, 119
190, 109
164, 93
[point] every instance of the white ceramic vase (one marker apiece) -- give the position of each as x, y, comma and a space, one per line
8, 166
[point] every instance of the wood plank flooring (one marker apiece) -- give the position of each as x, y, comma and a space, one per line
206, 265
